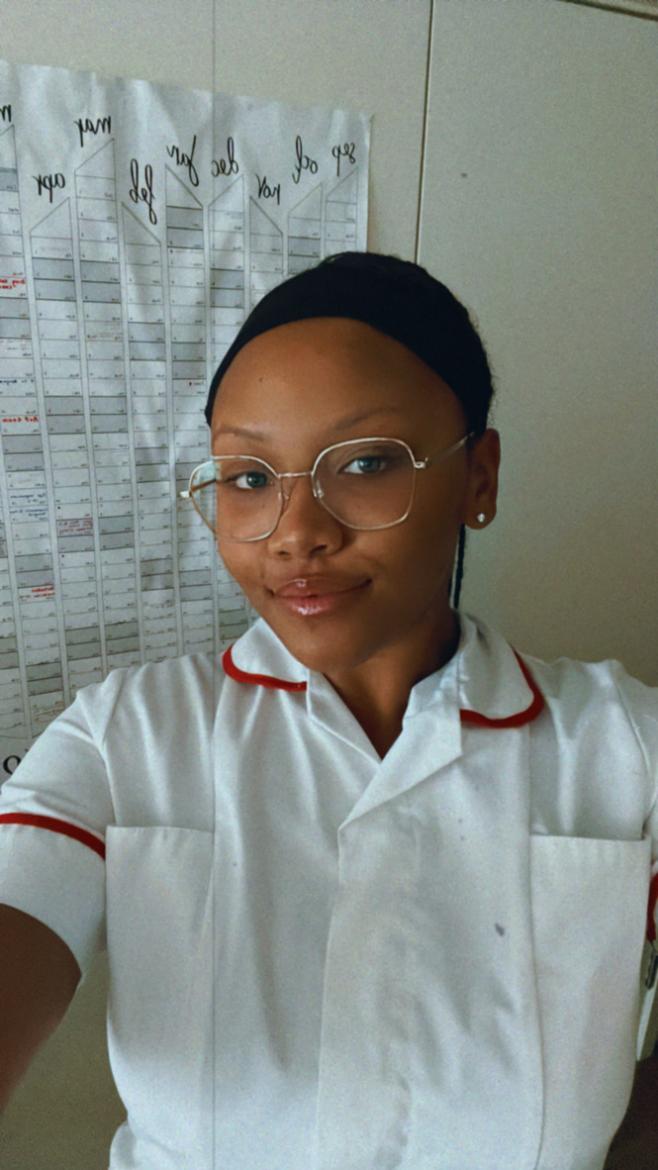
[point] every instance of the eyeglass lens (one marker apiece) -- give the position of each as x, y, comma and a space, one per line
364, 485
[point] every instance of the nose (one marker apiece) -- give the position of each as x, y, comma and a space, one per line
304, 523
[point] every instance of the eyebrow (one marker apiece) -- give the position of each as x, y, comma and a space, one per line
341, 425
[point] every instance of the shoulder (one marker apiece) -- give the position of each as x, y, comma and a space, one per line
570, 682
604, 698
165, 693
587, 708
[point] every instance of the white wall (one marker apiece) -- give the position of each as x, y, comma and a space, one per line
537, 190
538, 210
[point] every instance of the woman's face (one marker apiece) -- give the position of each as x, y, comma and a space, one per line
295, 384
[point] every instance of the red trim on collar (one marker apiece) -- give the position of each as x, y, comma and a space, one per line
472, 717
265, 680
56, 826
530, 713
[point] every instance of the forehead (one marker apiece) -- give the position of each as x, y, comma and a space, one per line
338, 358
341, 340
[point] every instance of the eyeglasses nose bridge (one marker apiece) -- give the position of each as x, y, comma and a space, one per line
285, 495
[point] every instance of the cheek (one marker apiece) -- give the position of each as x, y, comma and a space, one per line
429, 534
240, 562
424, 555
411, 565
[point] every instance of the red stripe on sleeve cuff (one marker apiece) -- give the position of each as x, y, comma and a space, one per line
56, 826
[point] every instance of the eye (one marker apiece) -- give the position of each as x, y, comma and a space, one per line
369, 460
250, 476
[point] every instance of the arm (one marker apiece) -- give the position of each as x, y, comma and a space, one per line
635, 1145
38, 977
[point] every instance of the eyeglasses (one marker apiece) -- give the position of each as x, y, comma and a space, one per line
364, 483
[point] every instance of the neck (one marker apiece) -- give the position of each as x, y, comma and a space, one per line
377, 691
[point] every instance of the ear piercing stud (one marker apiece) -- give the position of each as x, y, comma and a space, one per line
481, 517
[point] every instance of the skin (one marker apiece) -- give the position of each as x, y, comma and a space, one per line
294, 383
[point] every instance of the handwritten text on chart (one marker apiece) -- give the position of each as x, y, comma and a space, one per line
110, 329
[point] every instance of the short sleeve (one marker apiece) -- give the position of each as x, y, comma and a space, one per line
641, 705
54, 811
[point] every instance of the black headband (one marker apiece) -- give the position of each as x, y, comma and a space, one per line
416, 309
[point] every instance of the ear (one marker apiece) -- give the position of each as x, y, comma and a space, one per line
482, 489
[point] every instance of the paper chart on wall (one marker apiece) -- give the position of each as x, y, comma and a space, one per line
139, 225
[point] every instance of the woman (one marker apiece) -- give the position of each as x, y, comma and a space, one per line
376, 885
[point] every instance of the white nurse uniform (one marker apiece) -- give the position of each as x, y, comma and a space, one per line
322, 960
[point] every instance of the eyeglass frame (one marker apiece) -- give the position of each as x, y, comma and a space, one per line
417, 465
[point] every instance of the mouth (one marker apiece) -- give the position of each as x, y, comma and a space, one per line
314, 605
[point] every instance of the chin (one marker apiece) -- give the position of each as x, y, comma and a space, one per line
318, 644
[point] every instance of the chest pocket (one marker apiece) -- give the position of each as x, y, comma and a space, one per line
589, 900
160, 918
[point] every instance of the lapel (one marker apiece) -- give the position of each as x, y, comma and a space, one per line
485, 687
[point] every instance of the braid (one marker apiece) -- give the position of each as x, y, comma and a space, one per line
460, 566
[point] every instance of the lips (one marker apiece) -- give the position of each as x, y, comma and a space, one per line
308, 606
317, 586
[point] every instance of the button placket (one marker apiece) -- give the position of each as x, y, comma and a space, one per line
364, 1088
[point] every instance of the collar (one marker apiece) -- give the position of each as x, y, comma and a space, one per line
492, 684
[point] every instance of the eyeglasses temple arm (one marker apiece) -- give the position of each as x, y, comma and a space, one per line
420, 463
